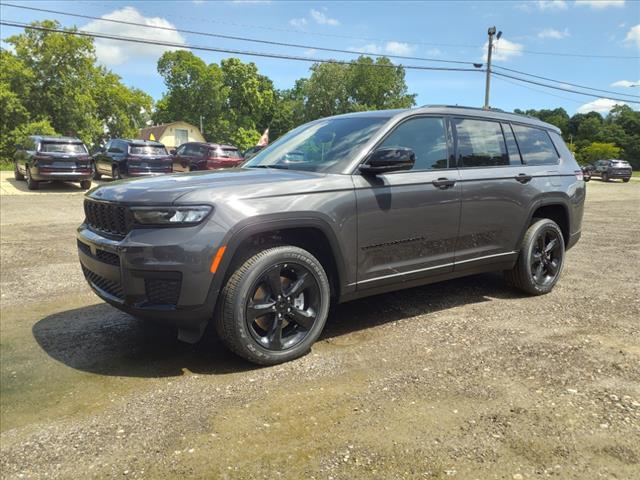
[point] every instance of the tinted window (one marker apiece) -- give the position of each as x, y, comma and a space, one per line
62, 147
147, 150
116, 147
512, 146
181, 150
535, 146
426, 137
480, 143
561, 146
324, 145
229, 153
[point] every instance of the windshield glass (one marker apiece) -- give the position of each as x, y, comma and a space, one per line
58, 147
318, 146
229, 153
147, 150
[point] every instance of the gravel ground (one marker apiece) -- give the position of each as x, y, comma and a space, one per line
463, 379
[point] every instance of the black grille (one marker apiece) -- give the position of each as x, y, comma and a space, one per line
112, 288
84, 248
162, 291
107, 257
106, 217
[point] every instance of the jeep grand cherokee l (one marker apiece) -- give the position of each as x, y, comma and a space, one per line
612, 169
121, 158
205, 156
45, 159
339, 208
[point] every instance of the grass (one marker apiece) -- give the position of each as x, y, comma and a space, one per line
635, 173
6, 165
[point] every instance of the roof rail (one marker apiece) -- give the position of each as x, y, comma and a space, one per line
466, 108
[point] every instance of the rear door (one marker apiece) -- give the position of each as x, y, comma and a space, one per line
408, 220
496, 191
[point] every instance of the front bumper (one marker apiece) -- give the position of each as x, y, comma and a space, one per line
162, 274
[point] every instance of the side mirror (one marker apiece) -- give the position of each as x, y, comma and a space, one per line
389, 159
172, 151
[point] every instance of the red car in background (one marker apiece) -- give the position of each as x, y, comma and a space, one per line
193, 156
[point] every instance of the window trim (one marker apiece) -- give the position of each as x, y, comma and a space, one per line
546, 131
444, 119
481, 119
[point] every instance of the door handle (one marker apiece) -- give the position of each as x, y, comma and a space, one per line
443, 183
523, 178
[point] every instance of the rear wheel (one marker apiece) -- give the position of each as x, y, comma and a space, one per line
626, 180
604, 177
96, 174
274, 306
85, 184
31, 183
16, 172
541, 259
115, 173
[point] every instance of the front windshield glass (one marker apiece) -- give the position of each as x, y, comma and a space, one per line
147, 150
59, 147
321, 146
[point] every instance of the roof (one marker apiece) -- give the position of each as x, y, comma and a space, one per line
137, 141
158, 130
455, 110
56, 138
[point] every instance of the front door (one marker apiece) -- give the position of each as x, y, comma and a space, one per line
408, 221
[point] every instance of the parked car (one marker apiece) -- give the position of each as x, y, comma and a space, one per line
339, 208
192, 156
252, 152
47, 158
122, 158
611, 169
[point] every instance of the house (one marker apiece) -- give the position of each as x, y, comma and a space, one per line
172, 134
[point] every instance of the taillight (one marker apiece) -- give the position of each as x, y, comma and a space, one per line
579, 175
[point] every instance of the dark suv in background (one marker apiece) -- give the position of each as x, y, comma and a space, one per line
192, 156
44, 159
121, 158
339, 208
612, 169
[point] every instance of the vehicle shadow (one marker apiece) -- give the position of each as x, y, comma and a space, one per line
47, 187
102, 340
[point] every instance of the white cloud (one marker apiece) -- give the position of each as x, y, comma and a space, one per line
552, 5
503, 51
321, 18
298, 22
552, 33
625, 84
600, 4
371, 48
398, 48
114, 52
633, 36
601, 105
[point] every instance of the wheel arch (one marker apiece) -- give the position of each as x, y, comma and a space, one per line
553, 208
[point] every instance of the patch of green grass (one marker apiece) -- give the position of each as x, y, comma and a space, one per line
6, 164
635, 173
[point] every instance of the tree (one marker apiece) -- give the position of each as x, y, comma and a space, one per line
598, 151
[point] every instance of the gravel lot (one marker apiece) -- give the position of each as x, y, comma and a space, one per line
464, 379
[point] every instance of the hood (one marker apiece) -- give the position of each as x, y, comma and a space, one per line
208, 186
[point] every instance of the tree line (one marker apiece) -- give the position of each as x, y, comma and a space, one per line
51, 84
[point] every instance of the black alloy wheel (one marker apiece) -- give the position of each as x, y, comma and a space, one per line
546, 257
283, 306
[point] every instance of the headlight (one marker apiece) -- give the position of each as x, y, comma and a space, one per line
186, 215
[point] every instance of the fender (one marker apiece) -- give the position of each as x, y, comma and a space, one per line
279, 221
546, 200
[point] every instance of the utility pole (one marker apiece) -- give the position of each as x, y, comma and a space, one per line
491, 32
201, 130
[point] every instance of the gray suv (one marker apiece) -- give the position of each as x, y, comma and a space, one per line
337, 209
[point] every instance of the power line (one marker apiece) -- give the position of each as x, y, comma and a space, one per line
163, 43
565, 83
233, 37
546, 85
539, 91
335, 35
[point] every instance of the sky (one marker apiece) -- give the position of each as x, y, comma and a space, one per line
534, 33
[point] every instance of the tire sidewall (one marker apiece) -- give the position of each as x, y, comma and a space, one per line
239, 299
527, 251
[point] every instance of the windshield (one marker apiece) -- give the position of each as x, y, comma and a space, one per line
319, 146
147, 150
58, 147
229, 153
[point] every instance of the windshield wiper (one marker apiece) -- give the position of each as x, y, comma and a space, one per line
280, 166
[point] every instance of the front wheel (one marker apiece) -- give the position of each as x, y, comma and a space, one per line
541, 259
604, 177
115, 174
626, 180
16, 172
96, 174
31, 183
274, 306
85, 184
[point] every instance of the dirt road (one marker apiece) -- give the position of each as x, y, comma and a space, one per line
464, 379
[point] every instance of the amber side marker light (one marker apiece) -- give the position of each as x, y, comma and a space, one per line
218, 258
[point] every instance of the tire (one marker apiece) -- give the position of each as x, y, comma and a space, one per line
31, 183
96, 174
269, 273
626, 180
537, 277
16, 173
115, 174
85, 184
604, 177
